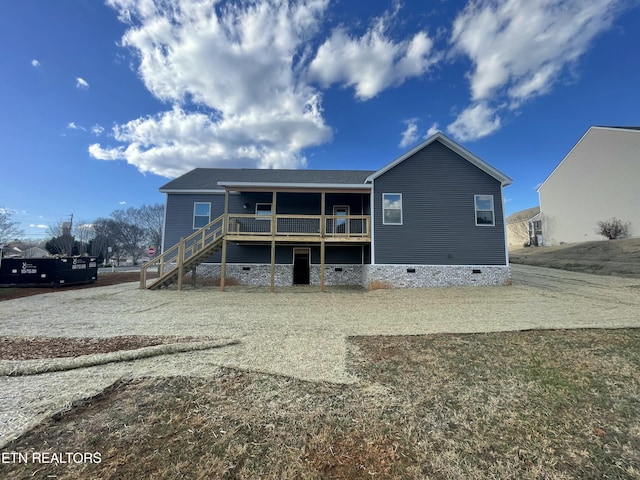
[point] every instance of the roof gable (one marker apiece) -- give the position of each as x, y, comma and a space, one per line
630, 130
447, 142
522, 215
213, 179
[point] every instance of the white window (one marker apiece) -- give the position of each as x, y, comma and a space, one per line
484, 210
263, 210
392, 208
201, 214
340, 224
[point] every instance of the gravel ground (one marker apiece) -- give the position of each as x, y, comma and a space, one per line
298, 332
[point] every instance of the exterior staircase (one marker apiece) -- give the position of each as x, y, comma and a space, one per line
171, 266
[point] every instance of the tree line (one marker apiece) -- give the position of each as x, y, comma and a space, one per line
125, 235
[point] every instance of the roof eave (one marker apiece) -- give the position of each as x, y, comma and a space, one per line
192, 190
293, 186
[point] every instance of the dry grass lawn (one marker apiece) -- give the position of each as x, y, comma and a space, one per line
608, 257
517, 405
552, 404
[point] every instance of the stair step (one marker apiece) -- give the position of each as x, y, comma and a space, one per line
192, 262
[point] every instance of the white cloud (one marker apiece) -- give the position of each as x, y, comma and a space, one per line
97, 130
74, 126
476, 121
524, 45
242, 64
41, 226
410, 134
520, 49
372, 62
81, 83
35, 63
433, 129
110, 153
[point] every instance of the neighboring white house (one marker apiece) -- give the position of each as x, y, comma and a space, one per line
598, 179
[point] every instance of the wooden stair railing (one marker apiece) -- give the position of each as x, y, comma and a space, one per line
186, 254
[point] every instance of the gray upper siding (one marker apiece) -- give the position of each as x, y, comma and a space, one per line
438, 188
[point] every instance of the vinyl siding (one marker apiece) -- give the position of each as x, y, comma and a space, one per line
179, 215
179, 223
438, 210
597, 180
243, 253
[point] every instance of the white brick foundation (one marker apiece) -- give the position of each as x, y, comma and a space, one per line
393, 276
418, 276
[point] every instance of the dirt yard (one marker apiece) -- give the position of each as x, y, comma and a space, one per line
297, 345
555, 404
295, 332
104, 280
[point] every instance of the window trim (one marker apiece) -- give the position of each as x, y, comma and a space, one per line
208, 216
264, 216
476, 210
384, 208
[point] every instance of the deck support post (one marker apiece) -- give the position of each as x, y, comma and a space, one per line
322, 265
225, 226
323, 231
274, 230
180, 263
143, 278
223, 264
273, 265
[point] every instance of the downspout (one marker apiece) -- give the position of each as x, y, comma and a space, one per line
504, 227
225, 224
372, 223
323, 227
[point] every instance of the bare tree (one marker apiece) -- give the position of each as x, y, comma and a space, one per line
130, 237
103, 243
136, 228
61, 242
83, 232
151, 218
9, 229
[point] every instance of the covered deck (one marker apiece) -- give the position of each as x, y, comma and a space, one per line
270, 226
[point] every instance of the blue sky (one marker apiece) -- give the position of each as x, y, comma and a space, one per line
102, 103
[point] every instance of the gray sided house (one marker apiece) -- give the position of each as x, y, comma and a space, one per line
433, 217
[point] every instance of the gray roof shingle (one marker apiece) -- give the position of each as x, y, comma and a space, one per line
208, 178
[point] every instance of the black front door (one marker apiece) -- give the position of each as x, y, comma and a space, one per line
301, 267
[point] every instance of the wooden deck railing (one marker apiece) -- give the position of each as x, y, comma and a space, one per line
335, 226
194, 249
